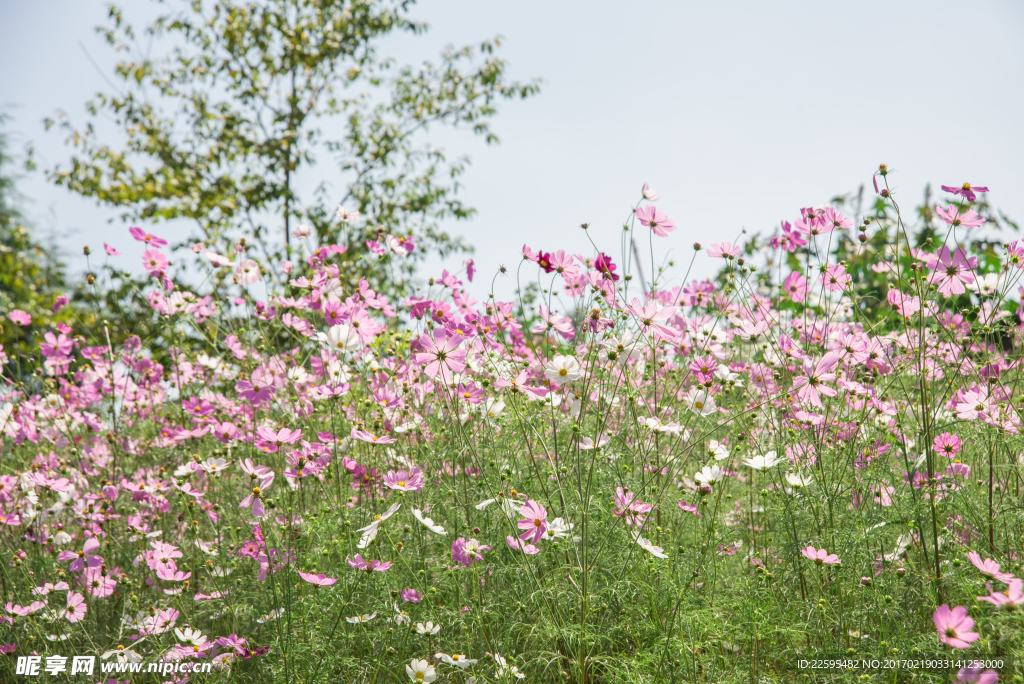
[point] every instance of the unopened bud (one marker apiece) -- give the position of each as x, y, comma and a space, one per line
696, 246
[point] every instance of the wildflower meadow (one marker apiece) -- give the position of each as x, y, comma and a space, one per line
807, 468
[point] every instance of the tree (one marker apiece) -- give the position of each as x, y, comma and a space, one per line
31, 275
218, 129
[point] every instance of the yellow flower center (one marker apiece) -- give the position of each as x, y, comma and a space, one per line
401, 483
256, 491
563, 372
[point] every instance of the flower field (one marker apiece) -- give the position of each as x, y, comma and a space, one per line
623, 474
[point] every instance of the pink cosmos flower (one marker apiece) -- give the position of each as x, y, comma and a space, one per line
970, 674
110, 250
952, 216
22, 611
689, 508
162, 556
1010, 599
468, 551
375, 565
255, 499
411, 595
723, 250
810, 386
441, 355
658, 221
635, 512
143, 236
954, 626
405, 481
947, 444
965, 191
98, 584
518, 545
650, 314
905, 305
796, 286
830, 215
154, 261
84, 558
988, 567
534, 521
20, 317
835, 278
551, 320
59, 303
76, 607
952, 271
320, 579
820, 556
371, 438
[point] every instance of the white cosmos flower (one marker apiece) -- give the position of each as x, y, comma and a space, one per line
657, 426
401, 617
457, 659
345, 215
218, 260
340, 338
420, 671
709, 474
701, 402
214, 465
370, 531
365, 617
717, 450
492, 408
427, 522
502, 668
650, 548
123, 655
190, 636
798, 480
762, 462
562, 369
429, 628
302, 231
558, 529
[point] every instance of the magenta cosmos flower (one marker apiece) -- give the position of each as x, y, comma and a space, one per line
965, 191
320, 579
405, 481
143, 236
820, 556
85, 557
954, 626
658, 221
534, 521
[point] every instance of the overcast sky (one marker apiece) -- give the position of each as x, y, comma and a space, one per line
737, 113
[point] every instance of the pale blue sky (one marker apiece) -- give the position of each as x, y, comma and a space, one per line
738, 113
